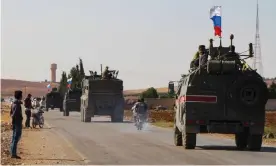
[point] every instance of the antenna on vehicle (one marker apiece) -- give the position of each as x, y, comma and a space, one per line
211, 47
101, 69
231, 39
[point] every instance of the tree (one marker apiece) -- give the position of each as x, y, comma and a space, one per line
150, 93
82, 73
74, 75
63, 83
272, 91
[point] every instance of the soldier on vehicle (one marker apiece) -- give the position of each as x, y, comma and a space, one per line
105, 73
200, 56
141, 108
28, 107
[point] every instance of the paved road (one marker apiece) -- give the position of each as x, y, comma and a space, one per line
102, 142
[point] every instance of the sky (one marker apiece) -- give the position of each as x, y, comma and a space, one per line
149, 41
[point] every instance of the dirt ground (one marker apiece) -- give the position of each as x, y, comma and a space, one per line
37, 146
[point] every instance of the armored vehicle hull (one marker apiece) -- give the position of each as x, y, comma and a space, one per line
102, 97
228, 101
53, 100
71, 102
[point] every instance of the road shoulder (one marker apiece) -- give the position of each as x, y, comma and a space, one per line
41, 146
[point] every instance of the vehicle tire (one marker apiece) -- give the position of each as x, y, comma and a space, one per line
87, 119
47, 109
241, 140
60, 109
249, 92
66, 112
40, 125
255, 142
189, 140
177, 137
117, 119
52, 108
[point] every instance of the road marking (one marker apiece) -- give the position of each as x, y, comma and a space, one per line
84, 158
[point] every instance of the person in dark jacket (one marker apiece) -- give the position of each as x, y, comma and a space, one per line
28, 112
17, 118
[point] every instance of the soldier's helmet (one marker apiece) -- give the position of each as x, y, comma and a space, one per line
201, 48
106, 67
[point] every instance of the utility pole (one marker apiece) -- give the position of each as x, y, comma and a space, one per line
257, 60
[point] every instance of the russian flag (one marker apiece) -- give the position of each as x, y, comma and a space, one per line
49, 86
215, 15
69, 81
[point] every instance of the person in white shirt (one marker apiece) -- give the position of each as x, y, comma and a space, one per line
43, 102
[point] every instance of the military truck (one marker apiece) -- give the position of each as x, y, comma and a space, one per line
102, 97
223, 95
71, 101
53, 100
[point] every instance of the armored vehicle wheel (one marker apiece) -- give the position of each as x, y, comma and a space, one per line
241, 140
61, 110
47, 109
255, 142
52, 108
177, 137
117, 119
189, 140
87, 119
65, 112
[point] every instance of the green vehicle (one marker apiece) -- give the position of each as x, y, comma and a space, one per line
102, 97
222, 96
54, 100
71, 101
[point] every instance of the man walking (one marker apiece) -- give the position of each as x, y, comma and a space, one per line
28, 112
17, 118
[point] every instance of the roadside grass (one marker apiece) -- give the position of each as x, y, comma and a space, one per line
163, 124
5, 113
165, 119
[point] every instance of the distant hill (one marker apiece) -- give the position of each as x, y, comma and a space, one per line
8, 86
138, 91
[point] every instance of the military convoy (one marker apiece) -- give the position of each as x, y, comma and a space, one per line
54, 100
98, 96
102, 96
71, 101
223, 95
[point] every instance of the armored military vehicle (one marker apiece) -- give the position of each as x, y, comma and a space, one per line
223, 95
53, 100
102, 96
71, 101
